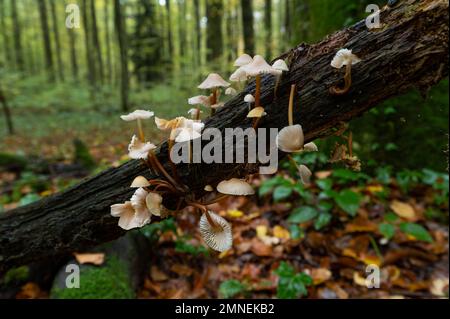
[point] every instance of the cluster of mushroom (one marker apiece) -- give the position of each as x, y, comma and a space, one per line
147, 200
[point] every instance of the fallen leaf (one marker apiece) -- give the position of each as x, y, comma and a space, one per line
182, 270
157, 275
320, 275
261, 249
439, 287
404, 210
90, 258
374, 188
30, 291
261, 231
323, 174
234, 213
359, 280
281, 232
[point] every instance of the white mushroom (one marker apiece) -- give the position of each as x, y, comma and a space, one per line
257, 112
208, 188
127, 216
217, 234
230, 91
310, 147
199, 100
279, 66
153, 201
238, 76
138, 149
344, 57
249, 99
235, 187
305, 174
290, 139
213, 82
195, 113
137, 115
244, 59
139, 181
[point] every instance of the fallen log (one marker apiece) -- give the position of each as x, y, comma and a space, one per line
409, 50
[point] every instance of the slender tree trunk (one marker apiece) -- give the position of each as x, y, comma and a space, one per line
247, 23
46, 40
5, 36
91, 76
122, 39
182, 26
20, 63
57, 40
169, 29
96, 42
268, 26
73, 53
198, 32
287, 23
6, 112
214, 13
108, 73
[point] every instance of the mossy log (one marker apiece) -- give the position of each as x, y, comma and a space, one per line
409, 50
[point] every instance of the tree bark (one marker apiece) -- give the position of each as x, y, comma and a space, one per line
57, 40
409, 51
247, 24
123, 48
17, 37
46, 40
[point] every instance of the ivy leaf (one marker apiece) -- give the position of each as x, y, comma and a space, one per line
231, 288
302, 214
321, 221
282, 192
296, 232
290, 284
387, 230
325, 184
349, 201
417, 231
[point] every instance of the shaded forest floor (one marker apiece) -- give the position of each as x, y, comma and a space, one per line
289, 240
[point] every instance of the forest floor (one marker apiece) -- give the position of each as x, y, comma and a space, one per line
289, 240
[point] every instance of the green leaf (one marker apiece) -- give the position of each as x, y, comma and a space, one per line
417, 231
296, 231
325, 184
290, 284
391, 217
325, 206
322, 220
282, 192
387, 230
29, 198
302, 214
231, 288
349, 201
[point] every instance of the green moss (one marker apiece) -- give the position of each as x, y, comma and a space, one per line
15, 275
110, 281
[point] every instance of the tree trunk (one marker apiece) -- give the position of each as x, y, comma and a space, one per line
247, 23
5, 36
182, 27
17, 37
268, 26
122, 38
169, 29
91, 76
409, 51
287, 23
198, 32
6, 112
108, 74
96, 43
57, 40
73, 53
214, 39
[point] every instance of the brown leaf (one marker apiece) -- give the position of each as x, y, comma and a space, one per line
320, 275
182, 270
404, 210
261, 249
157, 275
90, 258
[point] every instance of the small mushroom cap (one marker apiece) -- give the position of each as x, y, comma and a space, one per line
280, 65
208, 188
127, 216
257, 112
258, 66
139, 181
138, 149
217, 105
344, 57
165, 125
137, 115
219, 238
238, 76
244, 59
249, 98
290, 139
230, 91
235, 187
153, 201
199, 99
213, 80
310, 147
305, 174
193, 112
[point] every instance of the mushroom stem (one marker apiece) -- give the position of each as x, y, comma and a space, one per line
291, 105
350, 144
197, 115
256, 122
211, 221
213, 100
163, 170
257, 90
215, 199
348, 82
140, 130
172, 165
